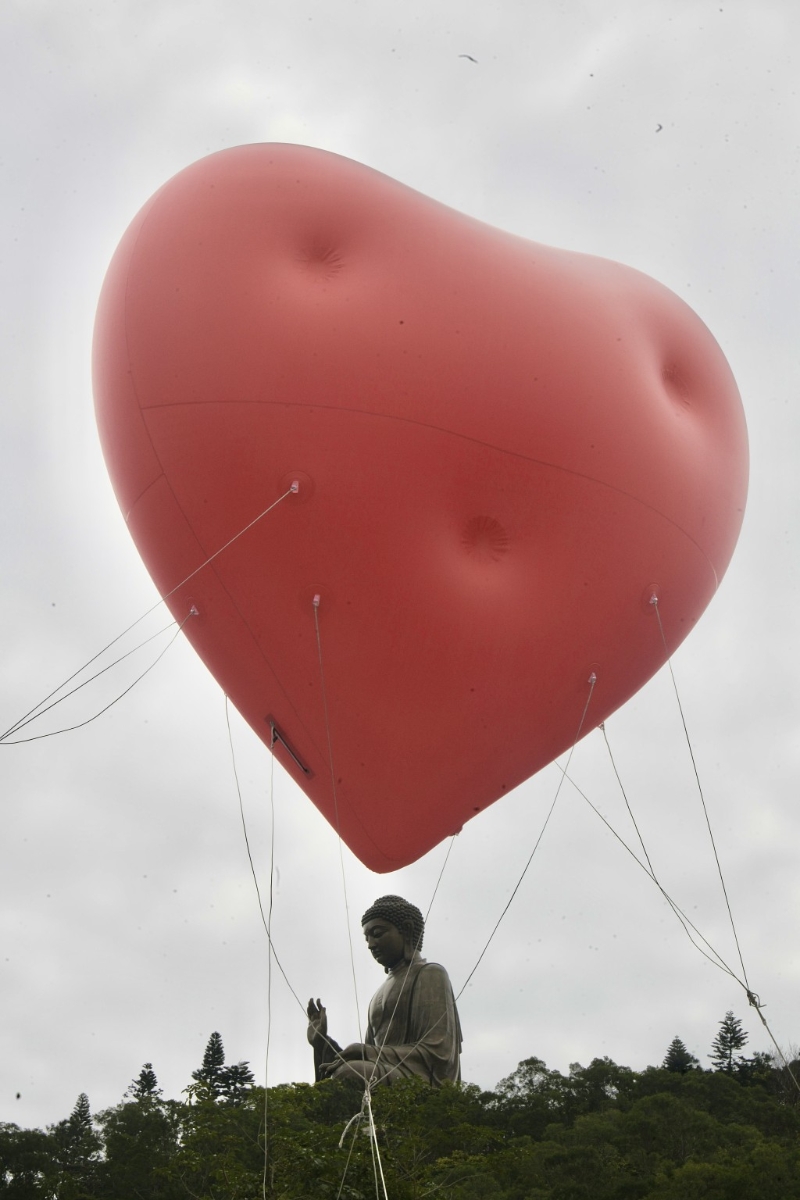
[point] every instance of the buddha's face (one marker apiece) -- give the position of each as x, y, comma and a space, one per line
385, 941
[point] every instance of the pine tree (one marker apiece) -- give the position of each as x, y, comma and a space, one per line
76, 1151
731, 1037
145, 1087
80, 1119
141, 1137
209, 1072
213, 1080
678, 1058
235, 1082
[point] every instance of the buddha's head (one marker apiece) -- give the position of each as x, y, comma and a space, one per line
393, 929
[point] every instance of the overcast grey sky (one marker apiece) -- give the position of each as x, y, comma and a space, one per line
663, 133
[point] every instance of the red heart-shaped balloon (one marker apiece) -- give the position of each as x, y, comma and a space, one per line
502, 450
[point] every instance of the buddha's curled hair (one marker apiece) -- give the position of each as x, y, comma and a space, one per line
398, 912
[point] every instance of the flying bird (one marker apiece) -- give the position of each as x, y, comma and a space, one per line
659, 128
469, 56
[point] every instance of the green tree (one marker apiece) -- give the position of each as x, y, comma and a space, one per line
528, 1099
213, 1080
678, 1058
758, 1068
534, 1096
76, 1153
784, 1079
141, 1139
764, 1171
145, 1086
420, 1127
730, 1039
208, 1073
235, 1081
25, 1161
304, 1126
600, 1086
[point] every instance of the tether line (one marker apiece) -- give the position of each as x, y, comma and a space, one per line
373, 1133
654, 602
69, 728
315, 605
752, 997
264, 921
349, 1152
680, 914
627, 802
289, 491
687, 924
649, 869
28, 719
24, 720
269, 963
591, 681
441, 873
30, 713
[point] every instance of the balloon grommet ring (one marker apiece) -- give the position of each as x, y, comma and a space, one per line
193, 609
299, 484
650, 598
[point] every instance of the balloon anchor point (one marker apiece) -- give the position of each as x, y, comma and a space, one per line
296, 484
649, 598
316, 600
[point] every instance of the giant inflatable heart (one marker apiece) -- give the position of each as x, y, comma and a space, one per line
502, 451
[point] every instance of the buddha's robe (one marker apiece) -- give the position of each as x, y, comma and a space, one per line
413, 1026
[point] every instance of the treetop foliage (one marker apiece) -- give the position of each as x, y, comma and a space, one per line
730, 1038
145, 1086
213, 1080
678, 1058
